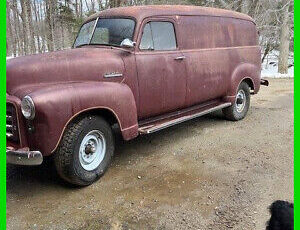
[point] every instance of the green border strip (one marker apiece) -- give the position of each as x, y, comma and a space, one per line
3, 118
296, 116
3, 115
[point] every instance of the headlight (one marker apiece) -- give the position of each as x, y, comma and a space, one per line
27, 107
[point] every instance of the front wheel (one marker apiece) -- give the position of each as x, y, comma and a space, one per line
85, 151
239, 109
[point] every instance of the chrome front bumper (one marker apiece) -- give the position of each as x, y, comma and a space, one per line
23, 157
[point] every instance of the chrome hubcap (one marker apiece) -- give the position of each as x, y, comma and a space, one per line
92, 150
240, 101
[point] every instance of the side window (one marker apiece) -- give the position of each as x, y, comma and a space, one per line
158, 36
147, 40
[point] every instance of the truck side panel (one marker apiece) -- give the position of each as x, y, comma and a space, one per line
214, 48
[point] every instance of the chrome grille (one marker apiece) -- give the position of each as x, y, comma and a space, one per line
12, 132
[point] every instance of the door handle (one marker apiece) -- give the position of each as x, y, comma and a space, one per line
180, 58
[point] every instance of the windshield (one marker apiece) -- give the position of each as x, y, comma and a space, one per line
108, 31
85, 34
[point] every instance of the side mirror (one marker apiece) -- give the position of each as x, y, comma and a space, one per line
127, 43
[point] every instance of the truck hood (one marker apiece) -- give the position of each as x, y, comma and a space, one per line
24, 74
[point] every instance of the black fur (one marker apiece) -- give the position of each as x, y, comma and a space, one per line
282, 216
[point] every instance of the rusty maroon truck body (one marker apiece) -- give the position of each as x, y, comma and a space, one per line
144, 68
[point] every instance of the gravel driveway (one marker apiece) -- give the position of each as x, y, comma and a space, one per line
207, 173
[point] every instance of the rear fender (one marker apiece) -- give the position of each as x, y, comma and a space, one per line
244, 72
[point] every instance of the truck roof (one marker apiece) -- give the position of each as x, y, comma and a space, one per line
141, 12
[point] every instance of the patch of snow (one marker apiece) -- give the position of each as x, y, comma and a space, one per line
270, 66
271, 73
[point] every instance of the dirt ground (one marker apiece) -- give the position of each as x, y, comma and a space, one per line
207, 173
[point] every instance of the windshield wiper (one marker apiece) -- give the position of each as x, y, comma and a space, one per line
82, 45
99, 44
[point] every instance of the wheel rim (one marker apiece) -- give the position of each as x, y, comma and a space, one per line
240, 101
92, 150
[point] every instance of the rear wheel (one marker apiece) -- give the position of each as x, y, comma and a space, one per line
85, 151
239, 109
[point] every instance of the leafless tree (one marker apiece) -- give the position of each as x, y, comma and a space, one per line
284, 39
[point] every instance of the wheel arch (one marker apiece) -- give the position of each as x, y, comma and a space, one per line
247, 72
249, 81
107, 113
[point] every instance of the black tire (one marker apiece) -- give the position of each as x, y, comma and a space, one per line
233, 113
67, 156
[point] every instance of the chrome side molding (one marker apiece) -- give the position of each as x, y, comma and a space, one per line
110, 75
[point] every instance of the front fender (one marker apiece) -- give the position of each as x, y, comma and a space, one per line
57, 105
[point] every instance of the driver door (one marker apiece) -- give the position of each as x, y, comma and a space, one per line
161, 69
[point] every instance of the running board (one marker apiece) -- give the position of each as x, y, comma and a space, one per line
156, 126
